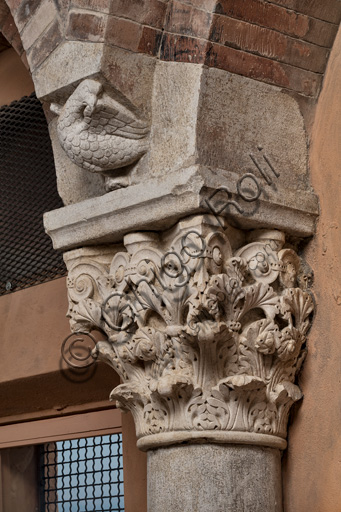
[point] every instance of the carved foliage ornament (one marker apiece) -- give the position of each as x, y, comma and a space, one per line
207, 341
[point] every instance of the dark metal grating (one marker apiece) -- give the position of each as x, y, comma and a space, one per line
82, 475
27, 190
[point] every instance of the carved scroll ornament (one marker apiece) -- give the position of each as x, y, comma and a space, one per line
206, 339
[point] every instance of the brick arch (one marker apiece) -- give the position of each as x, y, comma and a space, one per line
281, 42
9, 33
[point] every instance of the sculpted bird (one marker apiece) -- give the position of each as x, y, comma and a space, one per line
98, 133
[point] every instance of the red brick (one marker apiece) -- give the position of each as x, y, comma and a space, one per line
11, 33
146, 12
25, 11
268, 43
123, 33
150, 41
183, 49
92, 5
187, 20
13, 4
262, 69
206, 5
86, 26
4, 11
45, 45
327, 10
278, 18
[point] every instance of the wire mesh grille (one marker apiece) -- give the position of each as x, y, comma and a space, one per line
27, 190
82, 475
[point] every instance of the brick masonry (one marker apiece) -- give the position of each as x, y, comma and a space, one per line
281, 42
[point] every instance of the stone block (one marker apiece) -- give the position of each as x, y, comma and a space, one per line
183, 49
77, 59
175, 104
158, 203
23, 11
243, 118
131, 75
43, 17
102, 6
86, 26
44, 46
186, 20
146, 12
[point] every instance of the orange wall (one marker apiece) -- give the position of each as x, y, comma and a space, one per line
34, 384
33, 377
312, 466
15, 80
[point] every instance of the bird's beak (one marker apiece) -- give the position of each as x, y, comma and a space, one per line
55, 108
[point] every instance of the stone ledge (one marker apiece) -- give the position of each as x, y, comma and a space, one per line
160, 202
154, 441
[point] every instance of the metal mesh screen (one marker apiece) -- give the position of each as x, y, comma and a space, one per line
82, 475
27, 190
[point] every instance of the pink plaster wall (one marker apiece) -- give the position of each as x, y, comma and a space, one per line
33, 377
15, 80
312, 465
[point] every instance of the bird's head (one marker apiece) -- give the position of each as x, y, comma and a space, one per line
82, 101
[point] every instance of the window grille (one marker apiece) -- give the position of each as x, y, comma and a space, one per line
27, 190
82, 475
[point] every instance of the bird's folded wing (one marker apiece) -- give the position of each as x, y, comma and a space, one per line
112, 118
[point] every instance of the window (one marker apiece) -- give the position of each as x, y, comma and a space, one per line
82, 475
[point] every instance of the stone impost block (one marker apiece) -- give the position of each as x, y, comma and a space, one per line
161, 202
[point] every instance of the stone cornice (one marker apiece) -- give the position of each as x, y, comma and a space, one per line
161, 202
206, 328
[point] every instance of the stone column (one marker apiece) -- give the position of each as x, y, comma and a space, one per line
206, 326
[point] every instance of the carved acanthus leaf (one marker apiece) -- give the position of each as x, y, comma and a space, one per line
202, 339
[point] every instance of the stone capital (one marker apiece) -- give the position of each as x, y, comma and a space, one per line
205, 324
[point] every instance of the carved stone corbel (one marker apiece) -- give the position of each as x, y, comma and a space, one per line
205, 326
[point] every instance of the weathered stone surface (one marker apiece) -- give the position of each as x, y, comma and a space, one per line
73, 184
44, 15
86, 26
77, 60
160, 202
44, 45
212, 478
176, 98
250, 122
205, 326
96, 5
